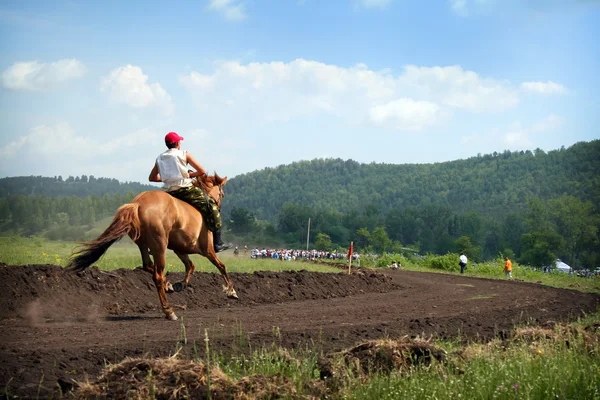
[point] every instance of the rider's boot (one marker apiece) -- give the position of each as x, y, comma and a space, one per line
218, 242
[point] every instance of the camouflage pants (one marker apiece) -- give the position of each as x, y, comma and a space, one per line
203, 203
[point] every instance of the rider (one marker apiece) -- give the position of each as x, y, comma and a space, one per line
171, 168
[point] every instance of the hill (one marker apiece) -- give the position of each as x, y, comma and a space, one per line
492, 185
73, 186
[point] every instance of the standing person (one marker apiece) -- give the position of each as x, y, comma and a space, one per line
171, 168
508, 268
463, 262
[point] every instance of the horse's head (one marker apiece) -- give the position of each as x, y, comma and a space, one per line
213, 185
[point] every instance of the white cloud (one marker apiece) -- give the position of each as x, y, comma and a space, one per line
546, 88
518, 136
129, 85
61, 140
374, 3
33, 75
459, 7
277, 91
47, 140
461, 89
57, 149
233, 10
465, 8
470, 139
550, 123
406, 114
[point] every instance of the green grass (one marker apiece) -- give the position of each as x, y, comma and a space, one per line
495, 270
534, 363
564, 367
560, 363
16, 250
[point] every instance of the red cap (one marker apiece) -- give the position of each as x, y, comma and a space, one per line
173, 137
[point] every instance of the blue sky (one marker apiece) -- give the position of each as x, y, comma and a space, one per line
92, 87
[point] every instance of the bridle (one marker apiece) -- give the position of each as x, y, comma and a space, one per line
220, 196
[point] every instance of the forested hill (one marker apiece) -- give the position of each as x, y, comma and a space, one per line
73, 186
492, 184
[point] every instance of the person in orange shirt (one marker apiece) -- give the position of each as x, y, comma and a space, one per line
508, 268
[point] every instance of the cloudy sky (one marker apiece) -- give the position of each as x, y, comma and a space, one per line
92, 87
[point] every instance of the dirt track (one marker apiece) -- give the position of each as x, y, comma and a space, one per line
61, 326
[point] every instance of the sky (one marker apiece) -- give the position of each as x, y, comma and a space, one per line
92, 88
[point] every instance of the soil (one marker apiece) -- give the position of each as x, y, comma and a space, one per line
58, 327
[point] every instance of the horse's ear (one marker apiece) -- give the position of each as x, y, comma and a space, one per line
219, 180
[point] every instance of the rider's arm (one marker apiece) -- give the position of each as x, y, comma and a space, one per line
154, 175
200, 170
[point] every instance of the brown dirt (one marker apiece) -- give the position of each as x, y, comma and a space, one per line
57, 326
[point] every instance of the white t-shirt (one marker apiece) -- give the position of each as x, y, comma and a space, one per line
172, 166
463, 259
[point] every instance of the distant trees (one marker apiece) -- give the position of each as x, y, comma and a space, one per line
73, 186
564, 227
323, 242
242, 221
490, 186
35, 214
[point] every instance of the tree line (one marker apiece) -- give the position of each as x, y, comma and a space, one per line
61, 217
80, 186
564, 227
492, 185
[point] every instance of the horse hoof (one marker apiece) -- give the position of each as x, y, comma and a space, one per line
178, 286
172, 317
169, 287
233, 296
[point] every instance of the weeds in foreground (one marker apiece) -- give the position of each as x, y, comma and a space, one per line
531, 363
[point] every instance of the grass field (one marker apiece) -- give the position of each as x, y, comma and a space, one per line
16, 250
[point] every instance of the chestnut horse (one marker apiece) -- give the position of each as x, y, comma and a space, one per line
157, 221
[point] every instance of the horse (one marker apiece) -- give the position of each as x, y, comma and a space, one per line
157, 221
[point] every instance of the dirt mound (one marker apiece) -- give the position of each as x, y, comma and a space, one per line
179, 379
382, 356
50, 293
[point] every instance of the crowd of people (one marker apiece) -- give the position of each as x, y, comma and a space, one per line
294, 254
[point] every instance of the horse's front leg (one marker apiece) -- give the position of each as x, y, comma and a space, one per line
160, 281
228, 287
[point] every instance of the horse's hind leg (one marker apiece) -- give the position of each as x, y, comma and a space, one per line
147, 264
160, 260
228, 287
189, 270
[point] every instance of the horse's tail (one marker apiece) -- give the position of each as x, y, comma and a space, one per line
126, 221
